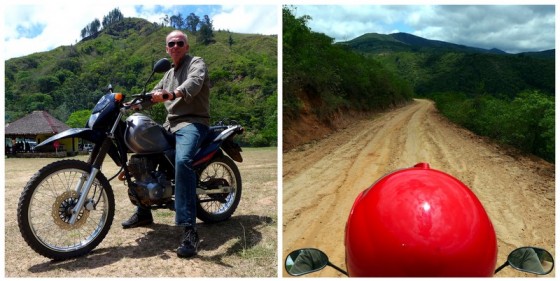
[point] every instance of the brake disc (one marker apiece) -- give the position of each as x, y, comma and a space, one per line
62, 211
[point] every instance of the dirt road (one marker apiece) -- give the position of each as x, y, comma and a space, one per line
321, 181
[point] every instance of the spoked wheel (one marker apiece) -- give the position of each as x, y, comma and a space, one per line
45, 210
220, 172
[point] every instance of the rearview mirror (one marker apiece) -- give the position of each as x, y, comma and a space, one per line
304, 261
532, 260
162, 65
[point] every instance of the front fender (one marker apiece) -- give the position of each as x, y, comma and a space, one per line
84, 133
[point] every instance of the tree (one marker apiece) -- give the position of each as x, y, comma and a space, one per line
78, 119
48, 83
293, 28
230, 40
95, 26
165, 20
91, 29
192, 23
206, 35
177, 21
181, 24
37, 101
114, 16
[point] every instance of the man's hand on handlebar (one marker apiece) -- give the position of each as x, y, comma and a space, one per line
161, 96
145, 99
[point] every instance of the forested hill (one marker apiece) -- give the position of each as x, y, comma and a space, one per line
332, 77
68, 79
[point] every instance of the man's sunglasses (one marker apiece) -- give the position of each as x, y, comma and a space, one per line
171, 44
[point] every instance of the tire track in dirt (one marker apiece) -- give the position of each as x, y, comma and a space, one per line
321, 181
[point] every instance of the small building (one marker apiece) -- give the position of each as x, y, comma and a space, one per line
37, 127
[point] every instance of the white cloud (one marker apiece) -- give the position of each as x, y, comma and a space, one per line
350, 21
62, 25
247, 19
512, 28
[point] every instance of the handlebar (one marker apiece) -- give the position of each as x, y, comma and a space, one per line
148, 96
140, 98
137, 100
143, 97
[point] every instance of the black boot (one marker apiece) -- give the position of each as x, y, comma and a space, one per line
139, 218
189, 245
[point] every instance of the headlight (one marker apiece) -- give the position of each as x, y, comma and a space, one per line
92, 119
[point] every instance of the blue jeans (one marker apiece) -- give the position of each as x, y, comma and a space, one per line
188, 140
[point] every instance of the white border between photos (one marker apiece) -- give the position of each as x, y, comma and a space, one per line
279, 5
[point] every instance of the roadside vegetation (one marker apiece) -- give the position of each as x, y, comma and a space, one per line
525, 122
338, 77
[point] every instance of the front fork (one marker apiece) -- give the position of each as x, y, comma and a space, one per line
84, 185
83, 190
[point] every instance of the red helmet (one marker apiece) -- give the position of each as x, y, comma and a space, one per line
419, 222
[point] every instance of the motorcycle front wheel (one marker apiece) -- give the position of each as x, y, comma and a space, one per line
45, 205
216, 207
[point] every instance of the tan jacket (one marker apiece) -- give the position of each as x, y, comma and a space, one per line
192, 79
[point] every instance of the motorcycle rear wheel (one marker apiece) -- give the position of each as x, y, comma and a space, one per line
221, 206
44, 205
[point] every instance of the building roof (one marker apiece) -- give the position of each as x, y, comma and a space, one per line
35, 123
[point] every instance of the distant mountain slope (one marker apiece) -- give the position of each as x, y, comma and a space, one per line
376, 43
422, 42
548, 54
437, 66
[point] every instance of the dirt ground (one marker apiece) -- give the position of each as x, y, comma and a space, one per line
244, 246
322, 179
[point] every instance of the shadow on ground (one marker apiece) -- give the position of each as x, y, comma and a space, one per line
162, 239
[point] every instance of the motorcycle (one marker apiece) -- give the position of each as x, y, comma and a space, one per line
320, 260
67, 207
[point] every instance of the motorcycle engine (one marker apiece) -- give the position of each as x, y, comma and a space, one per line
151, 186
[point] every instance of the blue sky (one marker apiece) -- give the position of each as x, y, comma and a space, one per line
36, 27
511, 28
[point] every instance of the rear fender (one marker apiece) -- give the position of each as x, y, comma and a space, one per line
232, 149
225, 141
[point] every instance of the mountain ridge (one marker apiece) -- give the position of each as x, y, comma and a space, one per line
402, 41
